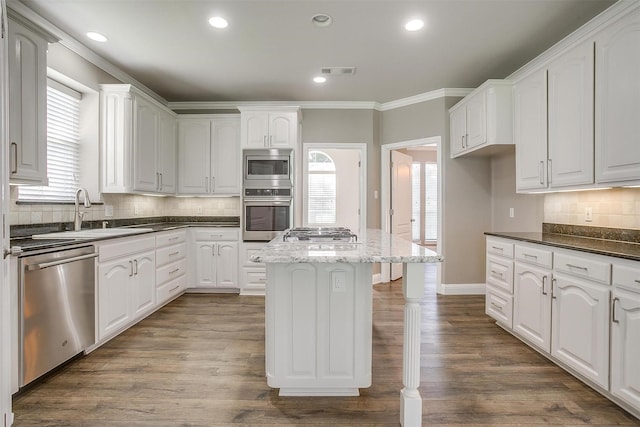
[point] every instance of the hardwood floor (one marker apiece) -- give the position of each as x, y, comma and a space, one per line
199, 361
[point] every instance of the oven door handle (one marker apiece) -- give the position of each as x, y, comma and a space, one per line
261, 202
60, 261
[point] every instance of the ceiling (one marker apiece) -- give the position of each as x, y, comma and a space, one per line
271, 50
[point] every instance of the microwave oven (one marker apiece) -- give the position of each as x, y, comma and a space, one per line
267, 168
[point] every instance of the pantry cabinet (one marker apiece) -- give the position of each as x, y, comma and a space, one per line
215, 258
617, 128
209, 156
269, 129
27, 57
482, 119
138, 142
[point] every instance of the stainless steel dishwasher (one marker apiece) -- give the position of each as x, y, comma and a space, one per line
57, 309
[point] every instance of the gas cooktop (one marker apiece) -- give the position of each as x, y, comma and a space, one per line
319, 234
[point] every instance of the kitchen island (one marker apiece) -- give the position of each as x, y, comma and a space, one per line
319, 317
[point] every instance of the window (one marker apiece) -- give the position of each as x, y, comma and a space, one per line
321, 194
415, 202
424, 203
63, 147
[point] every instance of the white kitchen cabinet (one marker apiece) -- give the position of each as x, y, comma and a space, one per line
530, 131
570, 120
138, 142
532, 304
209, 156
253, 275
171, 265
27, 56
499, 281
126, 283
617, 108
625, 330
482, 119
215, 259
269, 129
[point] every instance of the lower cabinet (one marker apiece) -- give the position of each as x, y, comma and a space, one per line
532, 304
253, 275
126, 283
215, 258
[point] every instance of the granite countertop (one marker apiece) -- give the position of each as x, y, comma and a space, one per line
373, 246
614, 248
21, 236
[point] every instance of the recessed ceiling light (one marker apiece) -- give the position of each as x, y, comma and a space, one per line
321, 20
319, 79
218, 22
414, 25
96, 37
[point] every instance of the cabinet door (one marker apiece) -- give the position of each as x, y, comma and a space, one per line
283, 130
205, 265
476, 120
225, 156
625, 347
530, 131
458, 126
532, 305
27, 105
618, 101
114, 282
580, 327
143, 288
254, 129
194, 144
167, 134
145, 140
571, 117
227, 265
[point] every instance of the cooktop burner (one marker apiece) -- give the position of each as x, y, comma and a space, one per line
319, 234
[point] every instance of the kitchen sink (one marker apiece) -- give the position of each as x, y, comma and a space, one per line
95, 233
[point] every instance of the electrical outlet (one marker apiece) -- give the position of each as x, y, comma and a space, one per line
199, 210
137, 210
108, 211
339, 282
588, 214
512, 212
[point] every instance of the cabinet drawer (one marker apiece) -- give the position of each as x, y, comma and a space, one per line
534, 255
499, 305
171, 271
627, 276
171, 290
580, 266
249, 251
216, 234
500, 273
170, 254
500, 247
253, 277
170, 238
124, 247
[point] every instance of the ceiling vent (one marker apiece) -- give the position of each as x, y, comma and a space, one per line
338, 71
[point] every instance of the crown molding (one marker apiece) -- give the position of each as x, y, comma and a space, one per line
423, 97
230, 105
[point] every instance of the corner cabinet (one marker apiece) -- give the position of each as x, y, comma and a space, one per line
27, 57
138, 142
482, 120
269, 128
209, 155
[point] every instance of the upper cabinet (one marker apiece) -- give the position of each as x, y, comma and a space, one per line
482, 120
575, 115
269, 129
138, 143
209, 155
617, 108
27, 55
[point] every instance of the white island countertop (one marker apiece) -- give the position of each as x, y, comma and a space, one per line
373, 246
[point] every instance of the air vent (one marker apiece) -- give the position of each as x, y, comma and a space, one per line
338, 71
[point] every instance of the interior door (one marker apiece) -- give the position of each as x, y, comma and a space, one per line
400, 201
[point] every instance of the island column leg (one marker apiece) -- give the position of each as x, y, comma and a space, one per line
410, 400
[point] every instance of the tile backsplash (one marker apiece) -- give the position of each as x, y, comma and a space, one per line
124, 206
617, 208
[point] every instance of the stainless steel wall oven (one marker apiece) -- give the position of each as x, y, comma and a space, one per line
266, 212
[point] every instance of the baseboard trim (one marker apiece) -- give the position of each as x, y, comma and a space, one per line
462, 289
376, 278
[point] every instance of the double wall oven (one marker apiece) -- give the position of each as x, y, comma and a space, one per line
267, 193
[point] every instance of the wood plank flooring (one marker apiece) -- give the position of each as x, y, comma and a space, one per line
199, 361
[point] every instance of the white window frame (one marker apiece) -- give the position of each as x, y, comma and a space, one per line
331, 172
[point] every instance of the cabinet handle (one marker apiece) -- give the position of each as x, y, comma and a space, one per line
218, 250
466, 141
173, 289
462, 142
14, 157
174, 271
130, 268
497, 273
496, 306
270, 140
497, 248
264, 141
613, 310
160, 181
531, 256
135, 267
578, 267
550, 169
553, 283
637, 281
157, 181
544, 285
213, 236
541, 172
174, 253
173, 238
213, 250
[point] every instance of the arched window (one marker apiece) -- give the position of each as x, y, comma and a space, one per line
321, 194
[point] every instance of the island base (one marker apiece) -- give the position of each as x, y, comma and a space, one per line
318, 328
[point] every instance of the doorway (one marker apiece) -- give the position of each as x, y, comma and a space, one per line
334, 180
433, 145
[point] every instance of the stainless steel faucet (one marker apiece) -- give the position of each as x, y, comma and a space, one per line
77, 222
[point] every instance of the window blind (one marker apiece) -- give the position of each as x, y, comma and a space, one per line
63, 147
321, 189
415, 202
431, 201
